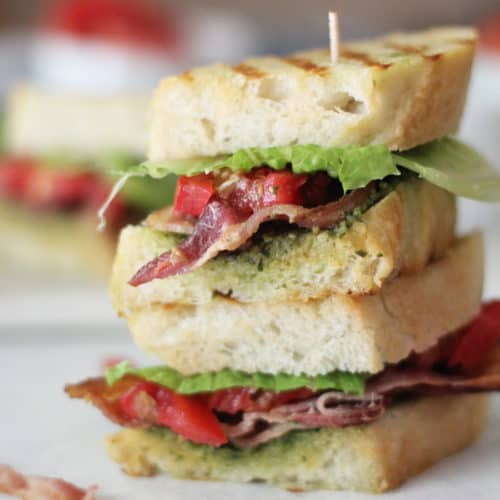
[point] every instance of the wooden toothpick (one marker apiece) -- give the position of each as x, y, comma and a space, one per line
333, 26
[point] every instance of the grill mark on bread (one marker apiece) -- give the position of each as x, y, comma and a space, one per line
188, 76
249, 71
307, 65
363, 58
419, 50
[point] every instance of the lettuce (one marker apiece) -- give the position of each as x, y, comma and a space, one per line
447, 162
454, 166
224, 379
355, 167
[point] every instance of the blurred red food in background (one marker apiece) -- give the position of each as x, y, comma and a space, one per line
129, 22
490, 34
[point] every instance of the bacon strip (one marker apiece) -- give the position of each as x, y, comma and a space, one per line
107, 397
167, 220
40, 488
327, 409
222, 228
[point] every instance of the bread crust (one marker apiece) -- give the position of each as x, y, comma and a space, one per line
375, 457
400, 234
402, 90
339, 332
79, 124
61, 244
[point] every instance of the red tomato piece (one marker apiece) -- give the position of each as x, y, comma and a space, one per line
231, 400
127, 401
318, 190
192, 194
478, 338
190, 417
14, 176
285, 397
239, 399
283, 188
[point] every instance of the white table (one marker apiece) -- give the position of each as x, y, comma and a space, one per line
45, 433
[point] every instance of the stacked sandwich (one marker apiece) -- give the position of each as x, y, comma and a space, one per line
319, 321
60, 148
83, 115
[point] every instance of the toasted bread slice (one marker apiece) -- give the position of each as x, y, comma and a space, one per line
39, 122
375, 457
339, 332
401, 90
400, 234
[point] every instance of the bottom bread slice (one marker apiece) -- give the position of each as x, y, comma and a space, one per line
375, 457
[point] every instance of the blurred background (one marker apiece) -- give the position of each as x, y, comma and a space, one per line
90, 51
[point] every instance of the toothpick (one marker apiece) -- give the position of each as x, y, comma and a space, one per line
333, 26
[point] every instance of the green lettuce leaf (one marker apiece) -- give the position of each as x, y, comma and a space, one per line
224, 379
447, 163
355, 167
454, 166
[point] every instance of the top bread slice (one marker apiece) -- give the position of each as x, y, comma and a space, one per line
401, 90
40, 122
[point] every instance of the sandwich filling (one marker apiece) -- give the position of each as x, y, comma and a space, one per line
221, 203
65, 185
245, 410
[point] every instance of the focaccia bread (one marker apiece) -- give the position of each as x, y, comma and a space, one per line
402, 90
400, 234
54, 243
340, 332
40, 121
410, 438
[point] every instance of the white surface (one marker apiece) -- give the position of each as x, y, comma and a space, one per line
43, 432
38, 302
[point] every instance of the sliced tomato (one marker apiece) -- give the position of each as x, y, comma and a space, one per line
238, 399
319, 189
478, 338
190, 417
231, 400
14, 176
192, 194
283, 188
128, 400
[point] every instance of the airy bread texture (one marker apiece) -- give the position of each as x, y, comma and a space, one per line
39, 122
400, 234
375, 457
401, 90
64, 244
339, 332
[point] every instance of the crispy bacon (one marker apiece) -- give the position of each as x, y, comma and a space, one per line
40, 488
222, 227
167, 220
106, 397
309, 410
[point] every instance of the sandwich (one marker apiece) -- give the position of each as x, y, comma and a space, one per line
318, 321
56, 171
83, 115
